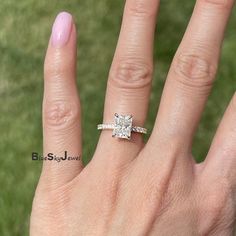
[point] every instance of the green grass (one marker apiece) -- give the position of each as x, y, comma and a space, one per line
24, 32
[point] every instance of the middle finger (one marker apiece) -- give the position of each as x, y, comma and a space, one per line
192, 74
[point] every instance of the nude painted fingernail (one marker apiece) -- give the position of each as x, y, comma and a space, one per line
61, 29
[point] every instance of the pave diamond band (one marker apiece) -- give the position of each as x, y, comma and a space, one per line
122, 127
136, 129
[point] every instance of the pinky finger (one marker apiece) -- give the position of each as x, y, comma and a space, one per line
61, 106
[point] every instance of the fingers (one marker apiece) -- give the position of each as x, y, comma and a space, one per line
192, 74
61, 105
221, 159
130, 76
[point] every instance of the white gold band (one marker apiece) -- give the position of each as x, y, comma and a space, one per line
135, 129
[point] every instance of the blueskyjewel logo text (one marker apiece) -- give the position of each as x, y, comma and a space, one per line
53, 157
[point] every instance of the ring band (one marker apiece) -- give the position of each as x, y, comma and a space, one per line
122, 127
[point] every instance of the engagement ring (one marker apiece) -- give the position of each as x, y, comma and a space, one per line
122, 127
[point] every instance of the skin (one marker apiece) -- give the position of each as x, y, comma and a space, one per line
132, 188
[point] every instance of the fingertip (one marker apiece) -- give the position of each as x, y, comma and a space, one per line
62, 29
61, 52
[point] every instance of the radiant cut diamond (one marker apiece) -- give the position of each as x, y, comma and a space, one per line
122, 126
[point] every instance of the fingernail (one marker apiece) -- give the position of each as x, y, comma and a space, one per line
61, 29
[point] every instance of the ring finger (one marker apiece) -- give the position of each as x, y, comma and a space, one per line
130, 76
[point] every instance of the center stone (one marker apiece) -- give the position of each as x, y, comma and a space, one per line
122, 126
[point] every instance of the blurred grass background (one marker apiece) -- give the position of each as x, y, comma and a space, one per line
24, 31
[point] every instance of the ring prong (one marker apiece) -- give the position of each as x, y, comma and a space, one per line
130, 116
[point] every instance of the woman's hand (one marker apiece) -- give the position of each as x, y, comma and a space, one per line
132, 188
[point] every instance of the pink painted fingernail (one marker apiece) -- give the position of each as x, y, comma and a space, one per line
61, 29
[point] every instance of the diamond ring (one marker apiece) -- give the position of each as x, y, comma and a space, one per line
122, 127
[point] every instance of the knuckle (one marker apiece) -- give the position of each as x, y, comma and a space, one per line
126, 74
61, 114
194, 70
140, 8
